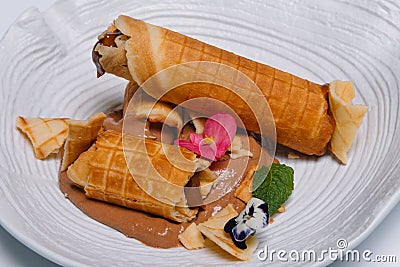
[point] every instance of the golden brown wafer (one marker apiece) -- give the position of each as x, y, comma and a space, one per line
46, 134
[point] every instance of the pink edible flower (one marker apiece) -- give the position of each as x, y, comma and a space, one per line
219, 131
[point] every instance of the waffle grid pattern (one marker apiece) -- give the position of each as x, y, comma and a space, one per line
110, 179
46, 135
81, 135
299, 106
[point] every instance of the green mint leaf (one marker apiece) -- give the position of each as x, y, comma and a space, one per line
276, 187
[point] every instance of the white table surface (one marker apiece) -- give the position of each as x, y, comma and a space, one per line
384, 240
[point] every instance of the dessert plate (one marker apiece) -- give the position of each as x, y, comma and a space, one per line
46, 71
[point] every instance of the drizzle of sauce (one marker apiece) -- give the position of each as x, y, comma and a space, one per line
151, 230
96, 60
107, 40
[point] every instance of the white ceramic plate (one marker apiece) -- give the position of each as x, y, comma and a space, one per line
46, 71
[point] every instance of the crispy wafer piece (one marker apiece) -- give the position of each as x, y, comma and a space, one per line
243, 192
347, 116
78, 172
282, 208
192, 238
237, 150
81, 134
158, 112
205, 180
292, 155
198, 122
213, 229
46, 135
299, 107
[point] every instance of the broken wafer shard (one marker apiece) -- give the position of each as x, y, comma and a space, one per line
213, 229
192, 238
81, 135
348, 117
47, 135
107, 176
299, 107
237, 150
204, 180
244, 191
78, 172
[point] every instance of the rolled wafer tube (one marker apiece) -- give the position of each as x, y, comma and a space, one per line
300, 108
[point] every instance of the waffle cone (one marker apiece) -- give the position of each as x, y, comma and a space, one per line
104, 174
299, 107
46, 135
81, 134
113, 58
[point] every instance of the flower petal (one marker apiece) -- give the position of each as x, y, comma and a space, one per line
189, 145
208, 151
260, 216
263, 208
228, 228
222, 127
241, 232
258, 221
229, 225
255, 215
195, 138
220, 151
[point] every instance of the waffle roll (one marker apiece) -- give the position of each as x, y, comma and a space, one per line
300, 107
104, 174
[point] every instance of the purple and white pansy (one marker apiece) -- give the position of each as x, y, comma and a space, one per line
255, 216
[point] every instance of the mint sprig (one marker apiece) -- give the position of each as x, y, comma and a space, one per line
276, 187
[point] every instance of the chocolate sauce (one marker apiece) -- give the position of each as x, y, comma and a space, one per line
96, 60
151, 230
107, 40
